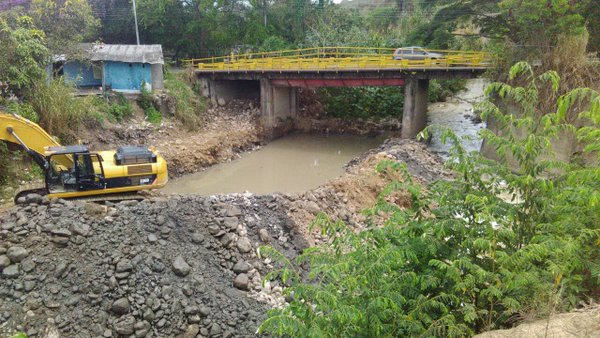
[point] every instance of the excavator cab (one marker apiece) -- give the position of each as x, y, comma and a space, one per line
86, 173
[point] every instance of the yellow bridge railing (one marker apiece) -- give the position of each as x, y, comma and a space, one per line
336, 58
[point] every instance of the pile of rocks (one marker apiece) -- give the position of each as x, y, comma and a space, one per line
182, 266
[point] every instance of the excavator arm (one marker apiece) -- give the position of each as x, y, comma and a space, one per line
31, 137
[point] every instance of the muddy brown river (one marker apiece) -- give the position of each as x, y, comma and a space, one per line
302, 162
291, 164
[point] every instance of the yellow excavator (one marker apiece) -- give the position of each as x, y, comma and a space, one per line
74, 171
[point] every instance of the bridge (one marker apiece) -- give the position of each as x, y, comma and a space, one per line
274, 77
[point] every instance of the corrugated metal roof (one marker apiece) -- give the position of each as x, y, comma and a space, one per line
151, 54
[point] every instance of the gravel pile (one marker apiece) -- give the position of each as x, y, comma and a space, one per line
176, 267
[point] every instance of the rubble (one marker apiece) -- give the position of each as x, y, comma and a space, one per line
157, 268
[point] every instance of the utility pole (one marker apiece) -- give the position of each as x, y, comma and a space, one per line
137, 33
265, 11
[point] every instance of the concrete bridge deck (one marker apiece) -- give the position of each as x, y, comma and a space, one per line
274, 76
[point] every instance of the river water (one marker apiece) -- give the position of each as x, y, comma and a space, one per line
294, 163
301, 162
458, 115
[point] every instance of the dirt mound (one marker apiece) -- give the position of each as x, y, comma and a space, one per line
157, 268
573, 324
344, 198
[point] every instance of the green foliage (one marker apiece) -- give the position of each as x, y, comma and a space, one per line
20, 335
5, 163
534, 27
16, 167
274, 43
146, 102
23, 55
188, 104
469, 255
153, 115
538, 21
119, 108
23, 109
363, 102
66, 23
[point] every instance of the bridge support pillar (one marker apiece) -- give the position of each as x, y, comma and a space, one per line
279, 106
414, 118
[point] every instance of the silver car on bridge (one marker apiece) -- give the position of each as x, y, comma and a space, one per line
415, 53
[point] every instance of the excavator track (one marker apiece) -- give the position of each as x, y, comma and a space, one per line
114, 198
31, 188
40, 189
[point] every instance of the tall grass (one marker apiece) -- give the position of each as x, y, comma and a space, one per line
60, 112
189, 106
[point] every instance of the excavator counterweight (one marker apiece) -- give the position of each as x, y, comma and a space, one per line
74, 171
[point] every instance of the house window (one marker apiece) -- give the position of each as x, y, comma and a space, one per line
58, 69
97, 69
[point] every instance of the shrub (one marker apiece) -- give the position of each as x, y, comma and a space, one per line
365, 102
119, 108
441, 89
25, 110
145, 100
6, 162
153, 115
462, 259
23, 54
274, 43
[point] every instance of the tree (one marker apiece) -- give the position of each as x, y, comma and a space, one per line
117, 21
534, 25
66, 23
23, 55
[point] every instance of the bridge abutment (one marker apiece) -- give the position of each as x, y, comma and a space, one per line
229, 89
414, 118
279, 107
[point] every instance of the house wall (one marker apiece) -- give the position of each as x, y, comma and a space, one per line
157, 76
81, 74
126, 76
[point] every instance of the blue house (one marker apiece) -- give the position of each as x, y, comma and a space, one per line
120, 68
